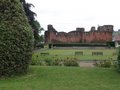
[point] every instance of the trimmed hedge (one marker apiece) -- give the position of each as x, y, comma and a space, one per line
107, 44
16, 39
77, 45
111, 44
40, 45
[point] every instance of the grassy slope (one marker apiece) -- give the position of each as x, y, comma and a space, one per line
87, 54
64, 78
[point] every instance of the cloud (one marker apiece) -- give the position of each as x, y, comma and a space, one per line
66, 15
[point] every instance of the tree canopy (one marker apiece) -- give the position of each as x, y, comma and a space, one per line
34, 23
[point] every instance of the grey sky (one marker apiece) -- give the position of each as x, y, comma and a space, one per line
66, 15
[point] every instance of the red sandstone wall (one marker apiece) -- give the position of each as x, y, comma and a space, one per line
98, 36
52, 36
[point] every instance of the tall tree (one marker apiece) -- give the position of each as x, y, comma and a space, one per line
37, 30
29, 13
34, 23
16, 39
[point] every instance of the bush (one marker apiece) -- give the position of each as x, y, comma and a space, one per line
48, 62
53, 61
36, 62
105, 64
70, 63
16, 39
57, 62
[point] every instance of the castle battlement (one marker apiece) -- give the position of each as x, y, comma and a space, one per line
101, 35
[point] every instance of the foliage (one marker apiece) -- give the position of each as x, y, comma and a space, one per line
29, 13
16, 39
77, 45
111, 44
47, 60
106, 64
70, 63
50, 46
40, 45
41, 38
37, 30
118, 58
34, 23
57, 62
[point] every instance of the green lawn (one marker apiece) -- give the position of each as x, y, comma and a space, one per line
108, 54
64, 78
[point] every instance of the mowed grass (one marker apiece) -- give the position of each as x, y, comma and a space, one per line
64, 78
108, 54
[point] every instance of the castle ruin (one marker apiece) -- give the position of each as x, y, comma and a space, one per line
103, 34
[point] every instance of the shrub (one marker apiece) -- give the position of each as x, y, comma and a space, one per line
115, 64
48, 62
57, 62
70, 63
36, 62
105, 64
16, 39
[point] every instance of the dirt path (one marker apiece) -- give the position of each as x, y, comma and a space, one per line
86, 64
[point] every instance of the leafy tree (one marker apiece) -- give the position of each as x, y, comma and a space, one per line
42, 38
29, 13
37, 30
16, 39
34, 23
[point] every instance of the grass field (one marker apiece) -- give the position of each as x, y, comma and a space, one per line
108, 54
64, 78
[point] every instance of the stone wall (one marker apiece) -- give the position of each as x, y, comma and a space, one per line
101, 35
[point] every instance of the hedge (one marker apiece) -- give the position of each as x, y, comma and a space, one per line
16, 39
111, 44
77, 45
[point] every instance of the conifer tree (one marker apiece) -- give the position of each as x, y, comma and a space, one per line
16, 38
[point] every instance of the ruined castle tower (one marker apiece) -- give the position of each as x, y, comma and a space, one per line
101, 35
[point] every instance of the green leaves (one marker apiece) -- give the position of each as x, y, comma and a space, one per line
16, 39
118, 60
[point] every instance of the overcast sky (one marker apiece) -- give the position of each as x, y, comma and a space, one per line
66, 15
